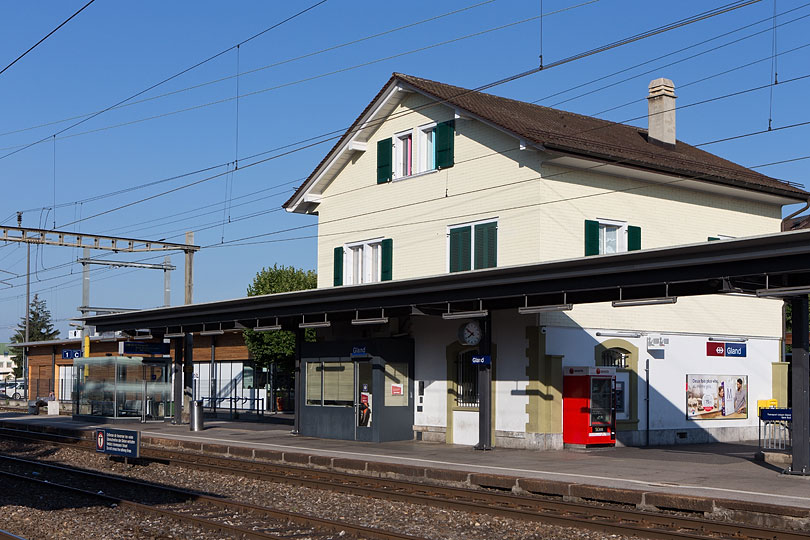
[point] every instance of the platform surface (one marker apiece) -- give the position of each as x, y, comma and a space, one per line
716, 470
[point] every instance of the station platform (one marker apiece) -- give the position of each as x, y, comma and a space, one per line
698, 477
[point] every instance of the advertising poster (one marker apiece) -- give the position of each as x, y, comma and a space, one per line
716, 397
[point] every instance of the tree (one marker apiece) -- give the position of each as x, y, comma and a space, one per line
40, 328
267, 348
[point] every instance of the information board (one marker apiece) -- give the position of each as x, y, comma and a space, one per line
118, 442
776, 415
138, 348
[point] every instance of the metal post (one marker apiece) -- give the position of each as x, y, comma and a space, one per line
52, 386
177, 380
189, 268
299, 339
27, 315
485, 388
213, 369
801, 393
188, 371
167, 282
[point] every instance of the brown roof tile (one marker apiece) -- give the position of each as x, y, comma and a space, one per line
576, 134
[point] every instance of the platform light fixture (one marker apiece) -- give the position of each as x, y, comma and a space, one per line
646, 301
357, 321
142, 336
215, 332
778, 292
729, 339
531, 310
619, 334
171, 335
314, 324
267, 328
474, 314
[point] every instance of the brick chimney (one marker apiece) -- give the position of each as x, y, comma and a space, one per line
661, 112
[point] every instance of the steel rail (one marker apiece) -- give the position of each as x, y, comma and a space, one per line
566, 513
521, 507
225, 504
5, 535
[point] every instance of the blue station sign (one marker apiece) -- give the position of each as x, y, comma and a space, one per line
140, 348
736, 349
359, 351
118, 442
482, 360
776, 415
71, 354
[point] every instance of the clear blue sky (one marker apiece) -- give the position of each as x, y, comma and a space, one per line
115, 49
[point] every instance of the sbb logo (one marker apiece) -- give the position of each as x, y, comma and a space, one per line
715, 349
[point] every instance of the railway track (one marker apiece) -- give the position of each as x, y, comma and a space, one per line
602, 518
5, 535
232, 518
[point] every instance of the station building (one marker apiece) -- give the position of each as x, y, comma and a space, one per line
436, 187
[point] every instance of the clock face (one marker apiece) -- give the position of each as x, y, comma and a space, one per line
469, 333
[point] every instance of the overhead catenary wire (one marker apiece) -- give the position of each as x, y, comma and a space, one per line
303, 80
597, 50
340, 131
49, 34
268, 66
167, 79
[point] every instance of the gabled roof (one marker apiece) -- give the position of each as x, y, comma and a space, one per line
570, 134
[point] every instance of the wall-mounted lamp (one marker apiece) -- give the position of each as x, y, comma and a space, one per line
728, 338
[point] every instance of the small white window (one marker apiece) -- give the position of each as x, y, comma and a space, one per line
363, 262
612, 236
403, 154
427, 148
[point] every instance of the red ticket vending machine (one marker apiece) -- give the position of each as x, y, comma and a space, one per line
589, 406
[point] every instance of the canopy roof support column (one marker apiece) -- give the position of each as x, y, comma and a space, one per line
801, 381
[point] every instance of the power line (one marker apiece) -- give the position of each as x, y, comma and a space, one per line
265, 67
304, 80
631, 39
49, 34
167, 79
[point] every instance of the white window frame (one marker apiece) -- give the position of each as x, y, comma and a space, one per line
399, 165
471, 225
367, 247
426, 136
621, 234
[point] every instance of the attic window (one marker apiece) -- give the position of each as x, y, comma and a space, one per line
403, 152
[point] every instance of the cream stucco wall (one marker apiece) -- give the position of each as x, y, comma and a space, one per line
541, 209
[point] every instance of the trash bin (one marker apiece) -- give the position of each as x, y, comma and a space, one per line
196, 415
33, 408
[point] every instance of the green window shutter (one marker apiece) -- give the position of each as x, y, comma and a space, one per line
486, 245
384, 158
633, 238
445, 136
386, 272
460, 249
713, 239
338, 268
591, 237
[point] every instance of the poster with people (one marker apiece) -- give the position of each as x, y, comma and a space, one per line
716, 397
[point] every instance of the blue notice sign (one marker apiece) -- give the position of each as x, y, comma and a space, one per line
118, 442
482, 360
139, 348
776, 415
70, 354
735, 349
359, 352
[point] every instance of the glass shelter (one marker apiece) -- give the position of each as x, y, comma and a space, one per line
122, 387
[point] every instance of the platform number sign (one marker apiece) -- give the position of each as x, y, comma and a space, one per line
71, 354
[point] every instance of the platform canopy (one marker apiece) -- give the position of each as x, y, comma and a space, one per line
771, 265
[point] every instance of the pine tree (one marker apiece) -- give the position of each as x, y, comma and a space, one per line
40, 328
